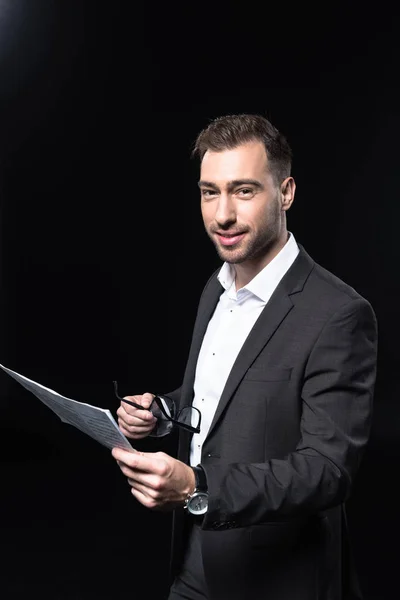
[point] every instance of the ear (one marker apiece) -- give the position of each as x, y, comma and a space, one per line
288, 189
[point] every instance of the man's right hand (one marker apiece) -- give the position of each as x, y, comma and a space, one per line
133, 422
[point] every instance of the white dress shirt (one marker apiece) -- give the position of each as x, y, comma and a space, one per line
231, 323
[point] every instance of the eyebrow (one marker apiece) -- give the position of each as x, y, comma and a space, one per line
232, 184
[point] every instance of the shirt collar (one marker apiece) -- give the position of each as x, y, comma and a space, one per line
268, 277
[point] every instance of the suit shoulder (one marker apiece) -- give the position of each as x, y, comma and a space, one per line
331, 290
337, 286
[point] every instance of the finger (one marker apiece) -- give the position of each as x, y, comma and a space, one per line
122, 455
151, 495
145, 500
141, 428
137, 435
147, 399
143, 481
129, 421
141, 487
145, 462
136, 424
128, 412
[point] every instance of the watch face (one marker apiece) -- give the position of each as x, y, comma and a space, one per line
198, 503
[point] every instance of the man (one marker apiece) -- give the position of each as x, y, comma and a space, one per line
282, 369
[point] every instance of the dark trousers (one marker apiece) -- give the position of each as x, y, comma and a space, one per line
190, 584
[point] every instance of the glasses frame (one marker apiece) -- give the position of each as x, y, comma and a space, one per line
158, 400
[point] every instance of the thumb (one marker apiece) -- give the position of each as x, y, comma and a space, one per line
147, 399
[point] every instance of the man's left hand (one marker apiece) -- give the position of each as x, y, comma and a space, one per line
158, 481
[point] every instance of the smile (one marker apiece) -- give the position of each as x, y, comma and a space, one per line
230, 240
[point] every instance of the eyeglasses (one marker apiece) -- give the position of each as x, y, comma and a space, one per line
163, 407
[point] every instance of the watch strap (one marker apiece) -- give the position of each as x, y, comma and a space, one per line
200, 479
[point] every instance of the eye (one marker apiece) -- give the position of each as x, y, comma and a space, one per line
245, 192
208, 193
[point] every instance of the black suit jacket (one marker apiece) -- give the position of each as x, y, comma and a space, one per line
286, 441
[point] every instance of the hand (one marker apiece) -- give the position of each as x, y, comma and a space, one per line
158, 481
134, 423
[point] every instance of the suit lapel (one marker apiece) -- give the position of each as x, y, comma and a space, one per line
207, 306
275, 311
267, 323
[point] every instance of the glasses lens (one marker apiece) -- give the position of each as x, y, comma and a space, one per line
163, 409
189, 416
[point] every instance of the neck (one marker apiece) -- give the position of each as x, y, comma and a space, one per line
246, 271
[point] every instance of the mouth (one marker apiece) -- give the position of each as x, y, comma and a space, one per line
229, 239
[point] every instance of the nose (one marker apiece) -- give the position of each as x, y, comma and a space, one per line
225, 211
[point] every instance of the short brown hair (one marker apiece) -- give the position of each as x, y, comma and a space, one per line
228, 132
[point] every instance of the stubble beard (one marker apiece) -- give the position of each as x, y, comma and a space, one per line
252, 248
254, 245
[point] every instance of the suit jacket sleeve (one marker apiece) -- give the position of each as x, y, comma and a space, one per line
336, 397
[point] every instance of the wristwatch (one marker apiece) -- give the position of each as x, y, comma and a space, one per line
197, 502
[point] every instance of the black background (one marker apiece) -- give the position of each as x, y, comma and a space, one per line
103, 252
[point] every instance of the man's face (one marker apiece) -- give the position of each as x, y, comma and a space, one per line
240, 203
